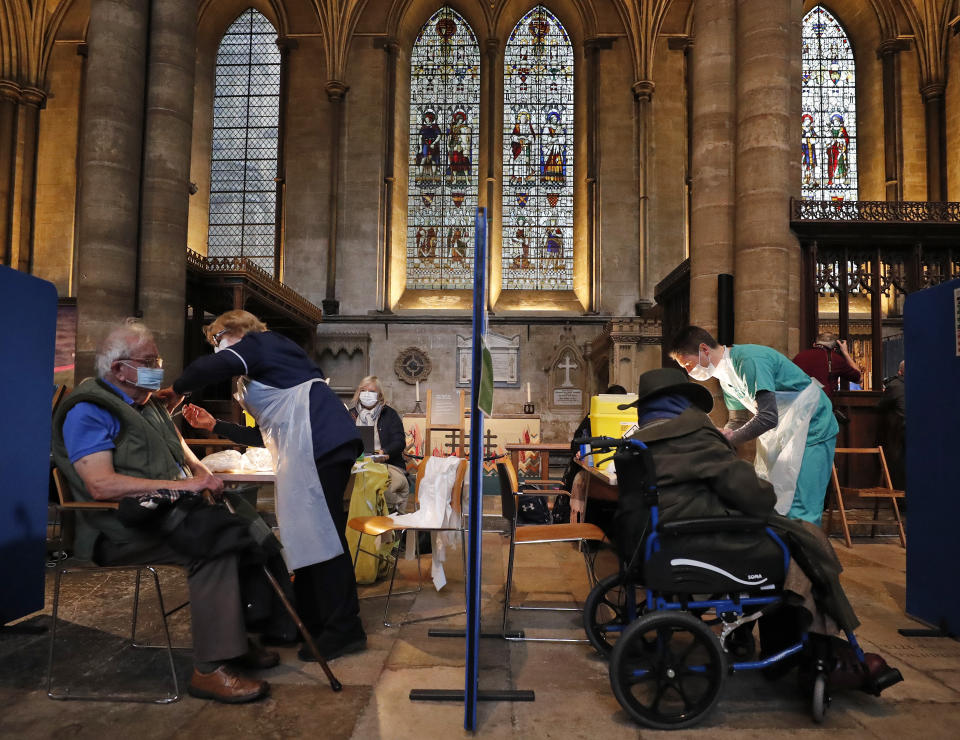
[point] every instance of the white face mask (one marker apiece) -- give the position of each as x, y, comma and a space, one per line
148, 378
701, 373
369, 399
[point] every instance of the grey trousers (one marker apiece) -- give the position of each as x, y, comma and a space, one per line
216, 612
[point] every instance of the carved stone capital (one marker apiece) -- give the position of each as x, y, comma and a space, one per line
388, 44
891, 47
10, 91
491, 46
932, 91
336, 90
287, 44
33, 96
643, 90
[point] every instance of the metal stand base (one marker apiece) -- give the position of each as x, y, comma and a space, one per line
508, 635
455, 695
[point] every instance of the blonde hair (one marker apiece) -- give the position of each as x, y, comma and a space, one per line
370, 379
234, 322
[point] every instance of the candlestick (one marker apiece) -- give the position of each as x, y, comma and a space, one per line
528, 392
418, 390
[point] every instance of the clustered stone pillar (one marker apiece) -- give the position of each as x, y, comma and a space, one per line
642, 102
9, 99
934, 110
20, 107
712, 156
888, 52
764, 246
110, 159
166, 173
32, 101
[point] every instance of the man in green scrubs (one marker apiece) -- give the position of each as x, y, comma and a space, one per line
768, 384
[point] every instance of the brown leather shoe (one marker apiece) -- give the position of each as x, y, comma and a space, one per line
256, 658
227, 686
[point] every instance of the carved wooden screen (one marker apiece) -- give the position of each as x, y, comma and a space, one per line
828, 146
246, 109
538, 155
444, 131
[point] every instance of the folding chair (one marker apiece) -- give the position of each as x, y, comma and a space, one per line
534, 535
884, 491
68, 504
374, 526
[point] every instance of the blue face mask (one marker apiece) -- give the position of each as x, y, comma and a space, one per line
148, 378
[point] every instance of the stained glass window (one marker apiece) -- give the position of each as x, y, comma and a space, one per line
538, 155
828, 146
246, 108
444, 130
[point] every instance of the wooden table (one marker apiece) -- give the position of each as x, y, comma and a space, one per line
543, 449
259, 477
602, 476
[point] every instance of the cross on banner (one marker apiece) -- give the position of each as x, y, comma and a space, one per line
489, 443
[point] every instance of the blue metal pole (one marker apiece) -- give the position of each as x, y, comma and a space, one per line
471, 674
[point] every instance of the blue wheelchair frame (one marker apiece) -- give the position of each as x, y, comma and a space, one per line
729, 605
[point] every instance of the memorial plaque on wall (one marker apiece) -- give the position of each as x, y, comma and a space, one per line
505, 353
567, 373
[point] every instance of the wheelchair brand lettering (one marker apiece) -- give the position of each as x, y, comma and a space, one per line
721, 571
755, 576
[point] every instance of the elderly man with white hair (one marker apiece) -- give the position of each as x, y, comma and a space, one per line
112, 440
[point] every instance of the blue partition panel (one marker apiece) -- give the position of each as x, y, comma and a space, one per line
932, 376
28, 307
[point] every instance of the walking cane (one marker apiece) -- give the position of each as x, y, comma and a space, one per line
334, 683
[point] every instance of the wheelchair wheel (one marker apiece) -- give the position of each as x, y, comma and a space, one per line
606, 613
667, 670
820, 700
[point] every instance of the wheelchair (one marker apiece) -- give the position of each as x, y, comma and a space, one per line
665, 620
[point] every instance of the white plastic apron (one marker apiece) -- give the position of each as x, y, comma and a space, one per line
307, 530
779, 450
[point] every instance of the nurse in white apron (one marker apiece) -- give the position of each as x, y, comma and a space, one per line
792, 422
313, 442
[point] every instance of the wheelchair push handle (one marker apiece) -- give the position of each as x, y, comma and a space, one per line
609, 443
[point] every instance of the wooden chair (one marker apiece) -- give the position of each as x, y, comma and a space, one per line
374, 526
883, 491
535, 535
67, 503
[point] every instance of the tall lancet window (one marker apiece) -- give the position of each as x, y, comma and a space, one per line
538, 155
444, 137
828, 146
246, 109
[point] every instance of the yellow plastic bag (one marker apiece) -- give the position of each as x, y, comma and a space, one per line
369, 482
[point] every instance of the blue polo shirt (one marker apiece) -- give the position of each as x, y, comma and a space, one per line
89, 428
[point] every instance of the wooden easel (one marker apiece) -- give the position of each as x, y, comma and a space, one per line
444, 424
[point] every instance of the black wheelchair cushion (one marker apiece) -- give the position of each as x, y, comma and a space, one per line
710, 525
715, 563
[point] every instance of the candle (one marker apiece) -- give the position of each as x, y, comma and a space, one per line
528, 392
418, 390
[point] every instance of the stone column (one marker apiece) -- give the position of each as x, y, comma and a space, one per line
713, 203
643, 99
591, 47
392, 48
892, 147
25, 194
336, 92
934, 113
9, 101
110, 159
166, 174
764, 246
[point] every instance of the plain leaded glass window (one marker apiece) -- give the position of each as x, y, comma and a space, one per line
442, 183
828, 146
246, 108
538, 155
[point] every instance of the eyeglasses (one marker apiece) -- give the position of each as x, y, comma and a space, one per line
146, 361
216, 337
